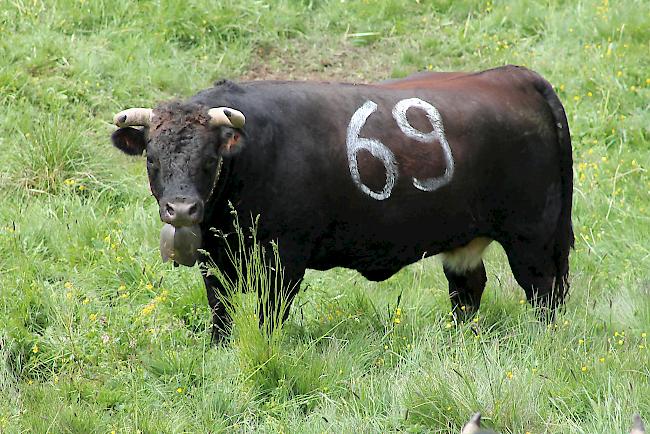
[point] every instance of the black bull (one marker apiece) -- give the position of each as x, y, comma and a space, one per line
373, 177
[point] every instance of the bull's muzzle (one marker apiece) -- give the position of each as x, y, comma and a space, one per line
181, 213
180, 237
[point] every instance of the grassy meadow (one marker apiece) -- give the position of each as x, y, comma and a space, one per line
98, 335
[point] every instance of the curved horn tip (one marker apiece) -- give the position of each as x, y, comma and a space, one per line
133, 117
227, 116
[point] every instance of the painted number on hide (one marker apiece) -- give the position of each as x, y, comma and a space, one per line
386, 156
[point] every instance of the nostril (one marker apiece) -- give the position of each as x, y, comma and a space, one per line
169, 209
193, 209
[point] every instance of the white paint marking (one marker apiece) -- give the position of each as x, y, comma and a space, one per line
378, 150
375, 147
399, 113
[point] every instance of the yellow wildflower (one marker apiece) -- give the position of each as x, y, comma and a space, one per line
148, 309
35, 349
509, 375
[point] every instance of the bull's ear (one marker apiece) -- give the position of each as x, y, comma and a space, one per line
231, 141
129, 140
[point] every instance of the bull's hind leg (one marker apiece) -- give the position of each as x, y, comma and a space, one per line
465, 273
540, 273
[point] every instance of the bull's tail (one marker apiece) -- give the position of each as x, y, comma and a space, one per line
563, 237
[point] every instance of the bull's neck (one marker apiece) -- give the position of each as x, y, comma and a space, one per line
218, 198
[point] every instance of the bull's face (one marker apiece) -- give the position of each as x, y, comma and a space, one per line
185, 146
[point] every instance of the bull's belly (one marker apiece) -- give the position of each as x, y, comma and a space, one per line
379, 264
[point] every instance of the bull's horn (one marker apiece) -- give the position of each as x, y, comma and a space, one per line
226, 116
133, 117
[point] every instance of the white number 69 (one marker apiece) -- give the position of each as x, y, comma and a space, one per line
381, 152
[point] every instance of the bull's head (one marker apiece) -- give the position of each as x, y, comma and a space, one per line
185, 145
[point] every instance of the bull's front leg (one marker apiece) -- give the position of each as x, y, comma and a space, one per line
218, 301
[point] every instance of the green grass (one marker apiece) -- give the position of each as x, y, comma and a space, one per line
97, 335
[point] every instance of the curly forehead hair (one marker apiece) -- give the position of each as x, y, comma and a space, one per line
180, 114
